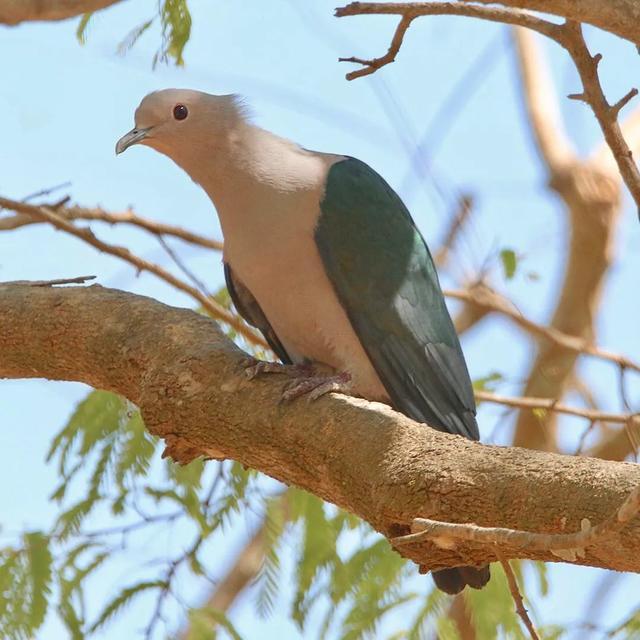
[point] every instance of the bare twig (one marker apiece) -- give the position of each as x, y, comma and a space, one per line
490, 301
46, 191
445, 533
572, 39
50, 283
458, 220
183, 267
517, 597
583, 438
370, 66
568, 35
591, 194
549, 404
210, 305
85, 213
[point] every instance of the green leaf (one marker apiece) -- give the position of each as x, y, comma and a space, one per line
69, 521
509, 263
123, 599
377, 593
318, 549
81, 31
488, 382
176, 29
71, 620
541, 571
447, 629
133, 36
187, 475
98, 415
224, 622
201, 627
540, 413
269, 577
435, 604
39, 575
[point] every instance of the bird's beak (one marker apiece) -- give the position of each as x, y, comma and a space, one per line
133, 137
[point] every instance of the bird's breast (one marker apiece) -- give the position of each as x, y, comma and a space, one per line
283, 270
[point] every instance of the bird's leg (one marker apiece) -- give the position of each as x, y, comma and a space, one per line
317, 386
312, 380
254, 367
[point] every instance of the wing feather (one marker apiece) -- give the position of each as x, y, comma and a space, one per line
385, 279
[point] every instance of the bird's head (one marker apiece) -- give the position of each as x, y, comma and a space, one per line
173, 120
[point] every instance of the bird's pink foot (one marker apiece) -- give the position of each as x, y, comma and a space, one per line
316, 386
254, 367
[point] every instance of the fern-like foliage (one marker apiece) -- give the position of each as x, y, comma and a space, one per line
25, 586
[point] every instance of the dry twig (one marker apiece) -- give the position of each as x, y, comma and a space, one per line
549, 404
210, 305
50, 283
568, 35
445, 534
95, 213
517, 597
490, 301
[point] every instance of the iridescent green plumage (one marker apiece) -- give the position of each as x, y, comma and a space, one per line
384, 276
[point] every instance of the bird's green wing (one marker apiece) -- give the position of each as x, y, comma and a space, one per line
385, 279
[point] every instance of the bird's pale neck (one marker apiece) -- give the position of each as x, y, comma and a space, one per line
251, 174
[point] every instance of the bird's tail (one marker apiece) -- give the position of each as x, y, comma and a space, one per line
456, 579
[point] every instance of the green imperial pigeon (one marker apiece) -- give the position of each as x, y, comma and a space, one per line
322, 256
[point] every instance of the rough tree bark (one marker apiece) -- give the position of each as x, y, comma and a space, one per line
187, 379
13, 12
621, 17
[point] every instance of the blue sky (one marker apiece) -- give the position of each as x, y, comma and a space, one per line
64, 106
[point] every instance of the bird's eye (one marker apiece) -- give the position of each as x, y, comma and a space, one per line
180, 112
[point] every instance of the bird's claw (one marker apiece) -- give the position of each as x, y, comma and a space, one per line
315, 387
254, 367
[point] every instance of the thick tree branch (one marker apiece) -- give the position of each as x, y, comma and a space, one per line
621, 17
46, 214
591, 195
186, 377
541, 104
14, 12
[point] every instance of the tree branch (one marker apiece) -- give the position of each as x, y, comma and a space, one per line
549, 405
487, 300
26, 218
186, 377
621, 17
51, 216
446, 532
568, 35
13, 12
541, 104
517, 599
370, 66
